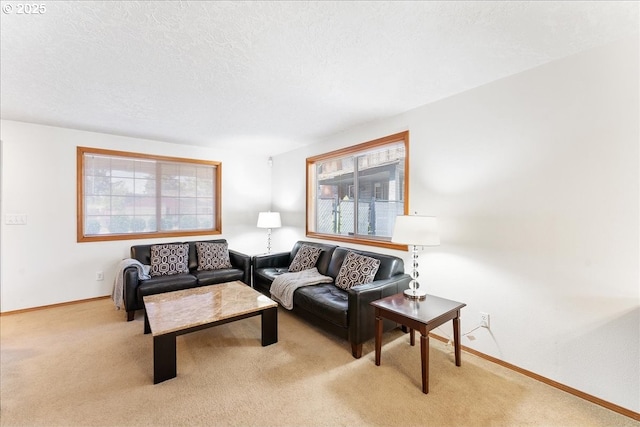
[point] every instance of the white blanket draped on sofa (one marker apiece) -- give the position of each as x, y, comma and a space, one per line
118, 282
284, 286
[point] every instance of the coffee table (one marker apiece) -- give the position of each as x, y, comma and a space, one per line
170, 314
421, 315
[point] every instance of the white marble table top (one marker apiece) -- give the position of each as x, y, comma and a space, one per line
174, 311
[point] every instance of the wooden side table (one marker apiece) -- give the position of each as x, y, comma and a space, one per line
423, 316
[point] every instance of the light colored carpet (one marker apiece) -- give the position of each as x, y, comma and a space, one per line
84, 365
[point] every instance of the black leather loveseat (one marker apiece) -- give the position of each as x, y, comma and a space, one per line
135, 287
345, 313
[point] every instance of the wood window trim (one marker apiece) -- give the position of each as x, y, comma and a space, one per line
81, 238
397, 137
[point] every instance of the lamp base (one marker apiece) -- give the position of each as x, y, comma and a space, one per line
415, 294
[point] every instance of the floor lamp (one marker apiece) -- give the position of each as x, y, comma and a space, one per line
414, 231
269, 220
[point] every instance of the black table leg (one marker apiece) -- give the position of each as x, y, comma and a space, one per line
164, 358
269, 326
147, 327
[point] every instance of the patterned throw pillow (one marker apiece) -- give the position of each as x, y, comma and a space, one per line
169, 259
213, 256
305, 258
356, 269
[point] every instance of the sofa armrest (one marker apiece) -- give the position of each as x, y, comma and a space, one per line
361, 312
277, 260
242, 262
130, 288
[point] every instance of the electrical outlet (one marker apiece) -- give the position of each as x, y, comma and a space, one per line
99, 275
484, 320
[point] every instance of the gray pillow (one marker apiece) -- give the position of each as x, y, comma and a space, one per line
305, 258
169, 259
356, 269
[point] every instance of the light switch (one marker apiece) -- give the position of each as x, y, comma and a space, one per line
15, 219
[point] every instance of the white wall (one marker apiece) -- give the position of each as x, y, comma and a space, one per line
535, 181
534, 178
42, 263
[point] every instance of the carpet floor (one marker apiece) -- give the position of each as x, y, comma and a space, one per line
84, 365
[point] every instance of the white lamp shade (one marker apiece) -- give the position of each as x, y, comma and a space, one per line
416, 230
269, 220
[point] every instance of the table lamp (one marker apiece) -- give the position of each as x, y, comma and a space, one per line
415, 230
269, 220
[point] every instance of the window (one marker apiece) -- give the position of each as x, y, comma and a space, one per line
355, 194
134, 196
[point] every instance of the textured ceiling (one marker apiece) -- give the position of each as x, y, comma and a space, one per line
272, 76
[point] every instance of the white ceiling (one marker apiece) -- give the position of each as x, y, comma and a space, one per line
272, 76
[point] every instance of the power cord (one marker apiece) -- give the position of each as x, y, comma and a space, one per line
449, 344
450, 340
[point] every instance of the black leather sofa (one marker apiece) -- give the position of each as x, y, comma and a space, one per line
345, 313
134, 288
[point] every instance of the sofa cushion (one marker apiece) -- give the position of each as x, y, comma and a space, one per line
356, 269
169, 259
212, 277
323, 261
305, 259
213, 256
325, 301
161, 284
